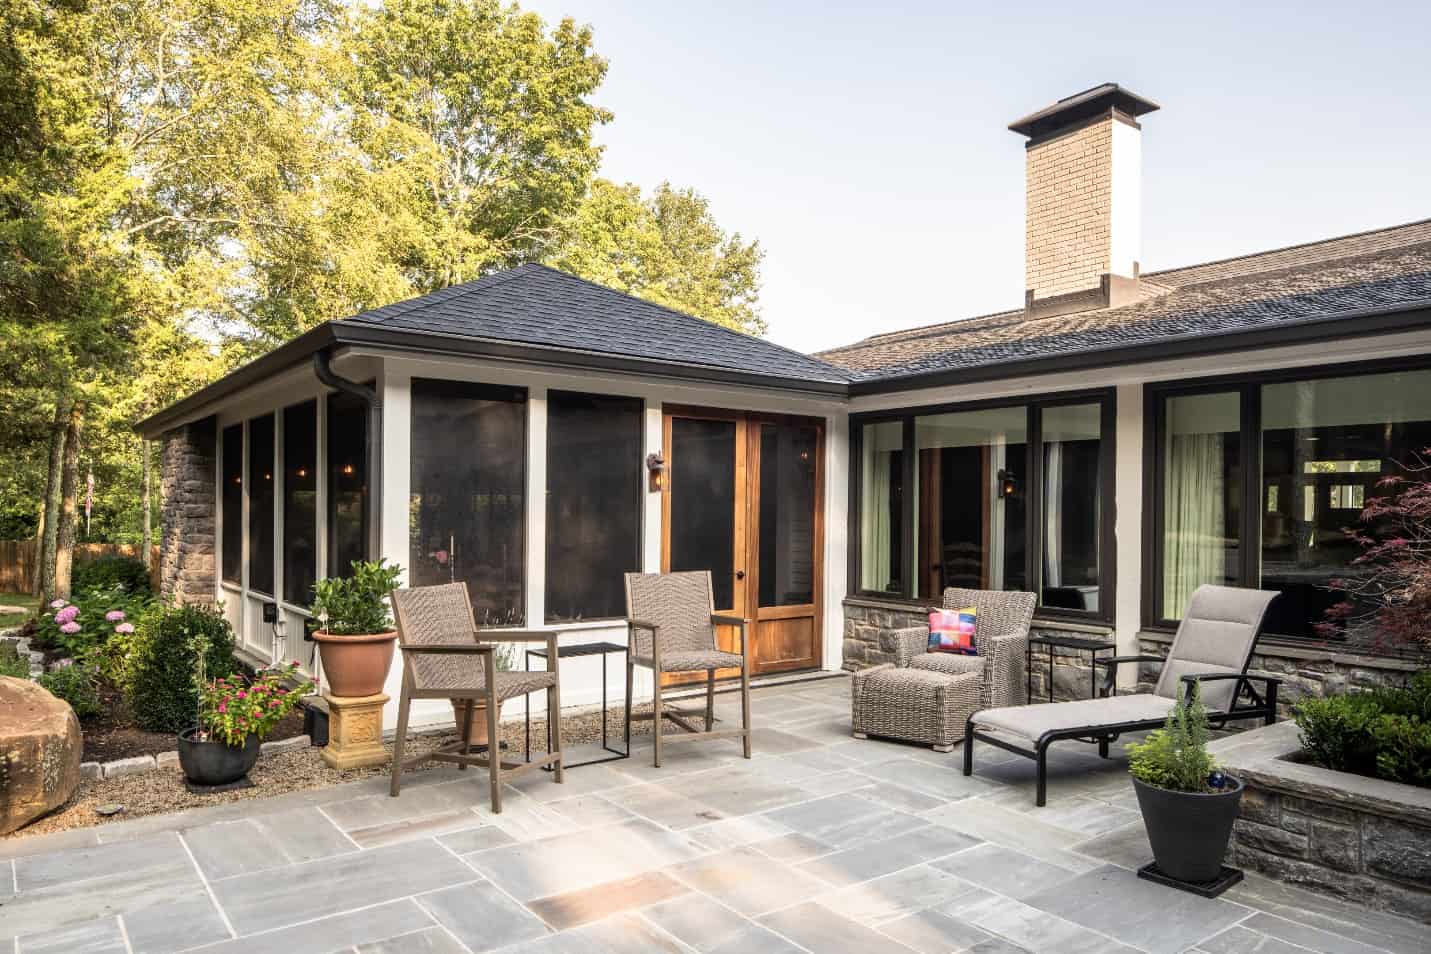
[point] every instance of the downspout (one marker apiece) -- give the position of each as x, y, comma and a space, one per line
323, 368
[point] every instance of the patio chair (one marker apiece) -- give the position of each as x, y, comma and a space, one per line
927, 697
443, 659
672, 629
1213, 645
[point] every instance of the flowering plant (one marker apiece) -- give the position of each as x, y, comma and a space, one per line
83, 628
231, 709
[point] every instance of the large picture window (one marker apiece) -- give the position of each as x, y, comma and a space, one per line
594, 476
347, 482
232, 555
300, 502
1009, 497
467, 510
260, 504
1259, 479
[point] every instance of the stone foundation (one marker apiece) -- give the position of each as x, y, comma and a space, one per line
1362, 839
1305, 671
189, 523
866, 643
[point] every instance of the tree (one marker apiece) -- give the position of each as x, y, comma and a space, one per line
668, 249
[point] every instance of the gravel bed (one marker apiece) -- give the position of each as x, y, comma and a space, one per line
162, 790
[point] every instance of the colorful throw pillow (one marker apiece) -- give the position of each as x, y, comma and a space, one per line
952, 631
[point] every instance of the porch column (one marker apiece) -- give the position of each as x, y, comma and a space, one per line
395, 387
1128, 526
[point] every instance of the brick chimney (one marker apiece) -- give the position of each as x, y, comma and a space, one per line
1082, 231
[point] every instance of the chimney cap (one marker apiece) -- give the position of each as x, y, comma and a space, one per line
1079, 106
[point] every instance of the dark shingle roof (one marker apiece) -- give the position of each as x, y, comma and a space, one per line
1342, 276
540, 306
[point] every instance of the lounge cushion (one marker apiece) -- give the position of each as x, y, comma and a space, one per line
1031, 722
951, 663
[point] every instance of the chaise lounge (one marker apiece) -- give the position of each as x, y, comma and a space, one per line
1213, 644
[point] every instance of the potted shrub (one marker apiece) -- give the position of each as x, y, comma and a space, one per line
1188, 805
355, 634
236, 715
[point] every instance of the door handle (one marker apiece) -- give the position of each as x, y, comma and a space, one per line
740, 574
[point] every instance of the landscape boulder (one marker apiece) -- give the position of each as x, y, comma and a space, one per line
40, 749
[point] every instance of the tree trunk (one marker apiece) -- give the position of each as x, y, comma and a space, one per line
69, 495
148, 543
50, 523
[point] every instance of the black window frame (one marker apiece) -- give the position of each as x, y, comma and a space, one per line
1034, 406
254, 555
284, 503
1248, 385
638, 494
340, 403
232, 530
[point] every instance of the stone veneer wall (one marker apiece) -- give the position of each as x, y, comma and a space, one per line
1305, 671
866, 643
187, 562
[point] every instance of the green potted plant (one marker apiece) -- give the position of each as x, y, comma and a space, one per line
235, 716
355, 632
1188, 805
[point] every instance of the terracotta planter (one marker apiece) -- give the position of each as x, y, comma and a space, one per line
479, 718
357, 665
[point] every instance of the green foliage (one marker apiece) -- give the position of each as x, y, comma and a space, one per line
356, 604
1175, 757
170, 645
111, 572
78, 684
11, 664
82, 628
1382, 733
232, 709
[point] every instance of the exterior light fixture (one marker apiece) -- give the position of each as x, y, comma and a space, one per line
1008, 483
656, 472
348, 470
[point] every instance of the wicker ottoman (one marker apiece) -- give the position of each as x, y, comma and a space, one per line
915, 705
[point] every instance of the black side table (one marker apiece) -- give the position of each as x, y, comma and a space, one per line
568, 652
1092, 646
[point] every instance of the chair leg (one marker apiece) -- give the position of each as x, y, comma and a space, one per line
399, 739
656, 714
968, 748
630, 672
1041, 760
745, 703
468, 712
1103, 746
494, 752
554, 728
710, 699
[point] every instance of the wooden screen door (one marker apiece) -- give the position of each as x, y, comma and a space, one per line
742, 499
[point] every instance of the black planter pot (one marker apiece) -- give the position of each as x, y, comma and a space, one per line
1189, 831
214, 763
315, 725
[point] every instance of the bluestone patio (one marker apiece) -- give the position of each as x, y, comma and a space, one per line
819, 843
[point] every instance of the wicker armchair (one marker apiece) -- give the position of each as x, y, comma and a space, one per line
442, 659
672, 628
922, 696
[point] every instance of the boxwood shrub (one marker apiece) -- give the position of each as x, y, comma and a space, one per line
1384, 733
162, 688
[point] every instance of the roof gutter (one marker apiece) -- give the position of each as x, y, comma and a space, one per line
323, 368
1369, 321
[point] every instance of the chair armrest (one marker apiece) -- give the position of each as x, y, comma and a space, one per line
1266, 701
908, 643
516, 635
1003, 668
448, 649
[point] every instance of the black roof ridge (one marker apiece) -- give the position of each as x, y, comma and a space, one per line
1291, 248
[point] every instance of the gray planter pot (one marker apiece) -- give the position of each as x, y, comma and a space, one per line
1189, 831
214, 763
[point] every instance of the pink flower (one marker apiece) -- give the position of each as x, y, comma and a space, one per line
223, 707
125, 628
56, 604
114, 616
66, 614
71, 627
242, 694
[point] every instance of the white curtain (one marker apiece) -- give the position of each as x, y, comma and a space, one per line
875, 522
1194, 548
1053, 514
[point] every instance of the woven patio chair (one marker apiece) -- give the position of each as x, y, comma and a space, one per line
927, 697
442, 658
1213, 646
672, 624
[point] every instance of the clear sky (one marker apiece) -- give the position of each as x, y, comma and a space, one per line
866, 148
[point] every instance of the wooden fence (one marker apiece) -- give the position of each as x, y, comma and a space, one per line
18, 559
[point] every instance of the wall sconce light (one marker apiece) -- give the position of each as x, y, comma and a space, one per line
1008, 483
656, 472
348, 470
301, 472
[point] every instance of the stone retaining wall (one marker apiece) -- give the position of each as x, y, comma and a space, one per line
867, 643
1361, 839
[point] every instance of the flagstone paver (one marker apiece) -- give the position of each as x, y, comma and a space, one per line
819, 843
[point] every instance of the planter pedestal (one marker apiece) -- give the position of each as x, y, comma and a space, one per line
355, 731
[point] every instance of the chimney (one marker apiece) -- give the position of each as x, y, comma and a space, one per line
1082, 221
